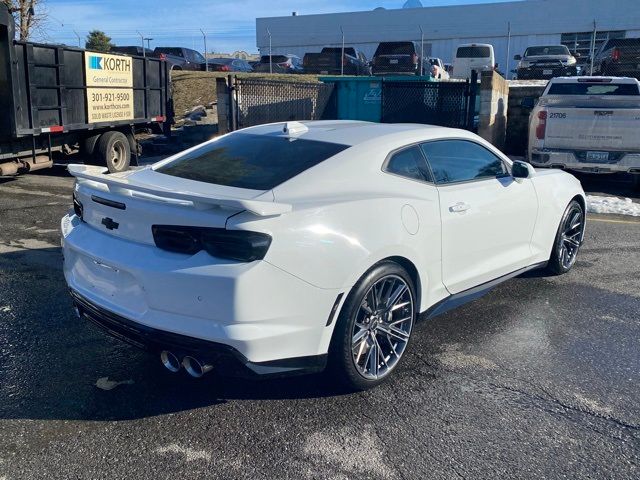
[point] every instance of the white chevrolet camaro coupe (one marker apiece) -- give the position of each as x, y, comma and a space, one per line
294, 247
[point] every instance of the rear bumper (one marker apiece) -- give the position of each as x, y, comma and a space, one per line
256, 309
226, 360
576, 160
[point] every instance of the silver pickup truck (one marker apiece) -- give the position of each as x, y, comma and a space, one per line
588, 124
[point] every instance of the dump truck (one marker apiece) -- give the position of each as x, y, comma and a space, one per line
56, 99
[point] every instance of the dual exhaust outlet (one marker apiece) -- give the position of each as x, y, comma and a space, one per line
193, 366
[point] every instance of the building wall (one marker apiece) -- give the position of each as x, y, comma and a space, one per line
533, 22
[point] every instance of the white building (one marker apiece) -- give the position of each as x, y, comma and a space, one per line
531, 22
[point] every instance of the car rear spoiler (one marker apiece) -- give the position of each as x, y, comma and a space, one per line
117, 183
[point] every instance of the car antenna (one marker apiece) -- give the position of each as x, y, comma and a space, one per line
294, 128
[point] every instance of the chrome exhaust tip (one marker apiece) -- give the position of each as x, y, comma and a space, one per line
170, 361
194, 367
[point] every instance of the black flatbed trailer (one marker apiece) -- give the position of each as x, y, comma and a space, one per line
56, 98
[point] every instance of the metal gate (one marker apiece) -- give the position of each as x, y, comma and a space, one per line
261, 101
447, 104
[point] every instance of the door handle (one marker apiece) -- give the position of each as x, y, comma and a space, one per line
459, 207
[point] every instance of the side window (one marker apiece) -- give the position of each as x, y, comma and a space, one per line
409, 163
197, 57
461, 161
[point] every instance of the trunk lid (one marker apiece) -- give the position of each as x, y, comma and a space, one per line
127, 205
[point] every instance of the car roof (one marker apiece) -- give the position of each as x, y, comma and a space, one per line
352, 133
595, 79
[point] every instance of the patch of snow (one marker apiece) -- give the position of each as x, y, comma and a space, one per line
104, 383
614, 205
190, 454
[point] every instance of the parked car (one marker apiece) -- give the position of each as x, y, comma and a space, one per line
280, 64
440, 71
397, 58
229, 65
587, 124
473, 56
547, 61
619, 57
133, 50
180, 58
331, 61
331, 240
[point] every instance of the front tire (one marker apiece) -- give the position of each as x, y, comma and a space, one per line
568, 240
374, 327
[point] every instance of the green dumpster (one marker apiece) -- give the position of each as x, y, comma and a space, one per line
360, 98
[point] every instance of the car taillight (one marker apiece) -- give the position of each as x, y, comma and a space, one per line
77, 206
239, 245
225, 68
344, 60
415, 59
163, 56
541, 128
616, 54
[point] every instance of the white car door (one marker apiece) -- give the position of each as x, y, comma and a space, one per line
487, 216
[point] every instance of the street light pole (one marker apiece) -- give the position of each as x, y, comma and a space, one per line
421, 51
270, 59
206, 60
143, 50
78, 36
342, 57
593, 46
506, 73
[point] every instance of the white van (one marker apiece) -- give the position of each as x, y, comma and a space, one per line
473, 56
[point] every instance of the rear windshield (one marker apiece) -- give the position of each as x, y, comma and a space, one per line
347, 50
622, 42
222, 61
612, 89
170, 51
473, 52
396, 48
554, 50
257, 162
275, 58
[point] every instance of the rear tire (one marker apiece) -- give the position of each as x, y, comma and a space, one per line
568, 240
370, 336
114, 151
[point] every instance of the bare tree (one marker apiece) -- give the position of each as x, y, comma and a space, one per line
26, 16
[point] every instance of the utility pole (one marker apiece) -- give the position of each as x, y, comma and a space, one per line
270, 59
144, 53
421, 51
206, 60
506, 73
342, 56
78, 37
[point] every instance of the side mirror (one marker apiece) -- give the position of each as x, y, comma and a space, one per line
517, 57
528, 103
520, 169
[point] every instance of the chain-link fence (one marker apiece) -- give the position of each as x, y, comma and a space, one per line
435, 103
264, 101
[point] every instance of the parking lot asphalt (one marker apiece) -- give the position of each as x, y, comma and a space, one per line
538, 379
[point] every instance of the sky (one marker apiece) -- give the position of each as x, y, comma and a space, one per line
228, 24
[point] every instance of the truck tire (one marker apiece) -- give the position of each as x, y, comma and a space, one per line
114, 151
88, 145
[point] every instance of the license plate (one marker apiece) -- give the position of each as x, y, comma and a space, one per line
547, 72
393, 61
597, 156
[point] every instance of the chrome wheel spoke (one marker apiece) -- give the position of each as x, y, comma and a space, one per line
382, 327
